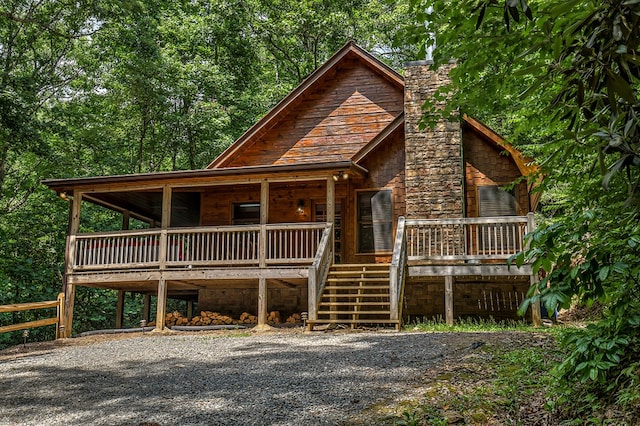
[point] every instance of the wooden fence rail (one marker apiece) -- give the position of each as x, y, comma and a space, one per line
58, 320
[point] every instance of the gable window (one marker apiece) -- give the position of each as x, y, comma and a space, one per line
246, 213
495, 201
375, 221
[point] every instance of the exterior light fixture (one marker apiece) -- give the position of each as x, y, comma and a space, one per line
64, 196
345, 175
300, 208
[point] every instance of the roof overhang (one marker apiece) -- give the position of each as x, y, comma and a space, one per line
205, 177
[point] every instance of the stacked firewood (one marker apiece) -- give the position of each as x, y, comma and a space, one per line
215, 318
294, 319
211, 318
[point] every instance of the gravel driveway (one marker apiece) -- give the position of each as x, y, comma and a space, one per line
284, 378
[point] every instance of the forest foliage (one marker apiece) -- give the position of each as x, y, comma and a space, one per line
92, 88
96, 87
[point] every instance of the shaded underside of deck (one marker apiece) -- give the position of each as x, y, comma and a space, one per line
189, 281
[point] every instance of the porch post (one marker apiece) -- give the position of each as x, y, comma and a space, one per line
262, 282
146, 307
162, 259
189, 310
70, 289
262, 302
448, 299
161, 310
331, 215
536, 315
126, 216
264, 219
120, 308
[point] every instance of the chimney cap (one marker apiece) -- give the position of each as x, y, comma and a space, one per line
419, 63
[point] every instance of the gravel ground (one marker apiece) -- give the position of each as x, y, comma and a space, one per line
216, 378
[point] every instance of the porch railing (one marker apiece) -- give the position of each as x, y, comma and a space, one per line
201, 246
491, 238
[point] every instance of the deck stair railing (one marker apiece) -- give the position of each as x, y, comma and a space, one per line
467, 239
397, 271
319, 270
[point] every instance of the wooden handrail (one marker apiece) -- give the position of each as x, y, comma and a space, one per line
58, 320
319, 270
397, 271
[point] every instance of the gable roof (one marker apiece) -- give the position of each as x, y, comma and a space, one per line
349, 50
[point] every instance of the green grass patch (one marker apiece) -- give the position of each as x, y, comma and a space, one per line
473, 325
487, 385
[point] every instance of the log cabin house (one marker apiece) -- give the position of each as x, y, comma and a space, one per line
335, 203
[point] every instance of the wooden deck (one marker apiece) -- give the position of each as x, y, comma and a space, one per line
190, 259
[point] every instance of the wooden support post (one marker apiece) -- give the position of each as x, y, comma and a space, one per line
264, 219
536, 315
146, 307
331, 217
166, 222
69, 299
161, 310
120, 309
70, 289
262, 302
448, 299
189, 310
61, 317
126, 217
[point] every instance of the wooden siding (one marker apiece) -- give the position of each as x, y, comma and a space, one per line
487, 165
283, 201
386, 171
330, 124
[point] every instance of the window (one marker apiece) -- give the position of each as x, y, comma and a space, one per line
375, 221
495, 201
246, 213
495, 238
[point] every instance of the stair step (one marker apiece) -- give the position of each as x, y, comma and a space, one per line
354, 303
354, 312
355, 296
359, 265
356, 273
355, 287
363, 280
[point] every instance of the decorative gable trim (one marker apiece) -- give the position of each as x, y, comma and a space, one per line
272, 117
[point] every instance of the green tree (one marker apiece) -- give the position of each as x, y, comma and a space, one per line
564, 77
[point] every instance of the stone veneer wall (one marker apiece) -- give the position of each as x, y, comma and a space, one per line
433, 164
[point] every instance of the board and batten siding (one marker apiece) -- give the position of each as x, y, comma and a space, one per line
346, 111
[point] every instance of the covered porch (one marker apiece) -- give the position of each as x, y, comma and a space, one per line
185, 232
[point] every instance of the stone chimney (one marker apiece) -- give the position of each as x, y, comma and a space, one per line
433, 165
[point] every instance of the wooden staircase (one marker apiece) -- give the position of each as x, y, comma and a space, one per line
357, 295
